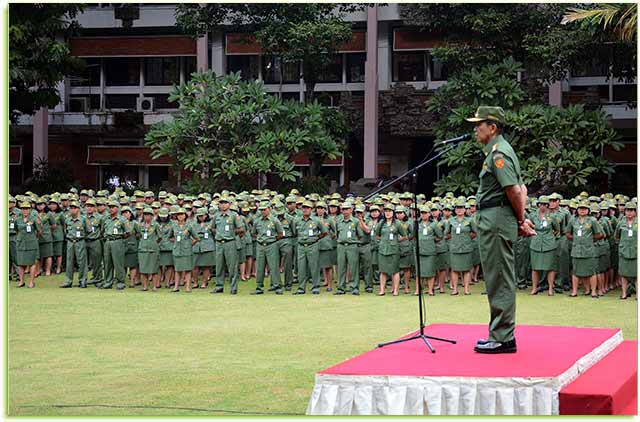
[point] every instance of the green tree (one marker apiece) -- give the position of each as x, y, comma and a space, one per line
39, 58
619, 18
559, 149
227, 128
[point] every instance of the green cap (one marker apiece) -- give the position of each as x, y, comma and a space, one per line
544, 199
583, 204
201, 211
113, 203
346, 204
91, 202
163, 212
321, 204
25, 204
147, 210
460, 203
389, 206
374, 207
488, 113
307, 204
74, 204
604, 206
291, 198
126, 208
424, 208
180, 210
263, 205
173, 209
630, 205
360, 208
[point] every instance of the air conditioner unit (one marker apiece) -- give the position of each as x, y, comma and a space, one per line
145, 104
79, 104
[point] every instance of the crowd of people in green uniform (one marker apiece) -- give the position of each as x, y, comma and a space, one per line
584, 245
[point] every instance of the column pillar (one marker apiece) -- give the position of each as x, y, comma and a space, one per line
555, 94
371, 96
41, 134
202, 52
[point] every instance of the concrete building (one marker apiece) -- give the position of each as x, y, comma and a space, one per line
384, 75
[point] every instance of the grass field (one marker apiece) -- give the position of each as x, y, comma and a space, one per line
116, 353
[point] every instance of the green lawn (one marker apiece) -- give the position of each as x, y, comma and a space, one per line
201, 354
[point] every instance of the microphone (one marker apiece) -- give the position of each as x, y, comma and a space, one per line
464, 137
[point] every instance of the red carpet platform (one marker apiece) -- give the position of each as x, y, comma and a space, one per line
406, 379
608, 388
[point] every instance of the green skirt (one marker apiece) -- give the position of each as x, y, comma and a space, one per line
26, 258
543, 261
130, 260
627, 267
242, 252
427, 266
46, 249
325, 258
165, 259
183, 263
461, 261
442, 261
584, 267
389, 264
248, 250
476, 255
406, 261
149, 262
205, 259
57, 248
604, 262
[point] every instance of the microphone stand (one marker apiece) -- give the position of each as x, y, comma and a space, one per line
414, 173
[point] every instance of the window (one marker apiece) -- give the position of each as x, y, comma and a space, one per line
158, 176
89, 75
161, 101
190, 67
161, 71
329, 99
438, 70
598, 65
120, 101
271, 66
247, 66
409, 66
122, 71
333, 71
624, 92
291, 96
355, 66
77, 102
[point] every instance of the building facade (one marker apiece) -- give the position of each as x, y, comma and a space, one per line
383, 76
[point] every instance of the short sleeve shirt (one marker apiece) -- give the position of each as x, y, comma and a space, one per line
500, 169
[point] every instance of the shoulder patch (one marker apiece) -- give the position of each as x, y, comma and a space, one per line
499, 162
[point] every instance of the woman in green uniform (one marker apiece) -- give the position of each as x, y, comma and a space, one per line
203, 251
613, 253
248, 243
45, 242
428, 236
460, 232
627, 238
543, 245
149, 236
184, 237
406, 246
131, 248
57, 232
584, 231
27, 234
333, 216
389, 233
165, 260
326, 244
442, 248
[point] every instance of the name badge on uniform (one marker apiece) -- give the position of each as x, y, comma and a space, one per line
206, 235
425, 231
310, 232
115, 230
11, 226
226, 227
544, 223
93, 229
349, 234
145, 235
78, 234
178, 238
579, 232
458, 230
390, 236
283, 233
268, 232
28, 228
630, 233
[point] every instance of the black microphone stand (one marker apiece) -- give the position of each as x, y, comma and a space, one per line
414, 173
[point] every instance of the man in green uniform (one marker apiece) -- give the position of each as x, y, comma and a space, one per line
365, 267
13, 268
93, 242
268, 231
75, 233
348, 233
287, 242
293, 213
227, 224
309, 230
115, 230
501, 203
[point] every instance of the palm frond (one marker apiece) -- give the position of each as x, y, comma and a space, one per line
620, 19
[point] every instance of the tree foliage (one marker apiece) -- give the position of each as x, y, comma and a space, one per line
619, 18
559, 148
39, 58
227, 128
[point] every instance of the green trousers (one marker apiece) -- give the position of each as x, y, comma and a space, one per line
563, 277
94, 259
286, 253
347, 259
366, 265
114, 263
12, 254
268, 254
497, 231
308, 266
76, 255
227, 259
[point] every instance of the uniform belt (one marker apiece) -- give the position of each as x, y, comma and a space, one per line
307, 244
346, 243
225, 241
75, 240
113, 238
266, 243
492, 204
92, 240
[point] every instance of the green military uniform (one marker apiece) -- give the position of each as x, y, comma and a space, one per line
327, 247
406, 245
603, 246
267, 250
57, 234
114, 230
130, 246
27, 232
225, 225
166, 244
627, 237
286, 245
45, 241
544, 244
428, 233
498, 228
372, 223
583, 251
93, 244
365, 259
205, 250
308, 231
442, 247
349, 234
75, 233
183, 245
12, 238
388, 236
149, 238
460, 245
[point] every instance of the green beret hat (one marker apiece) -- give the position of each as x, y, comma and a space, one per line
488, 113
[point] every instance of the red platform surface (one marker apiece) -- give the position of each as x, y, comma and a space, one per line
543, 351
608, 388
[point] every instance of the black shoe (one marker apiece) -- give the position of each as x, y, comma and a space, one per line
299, 292
494, 347
288, 289
329, 289
107, 286
315, 292
120, 287
339, 292
257, 292
355, 293
482, 341
98, 285
484, 293
369, 290
271, 289
82, 285
279, 291
218, 290
234, 292
66, 286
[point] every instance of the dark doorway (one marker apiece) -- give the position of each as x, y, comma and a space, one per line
428, 174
